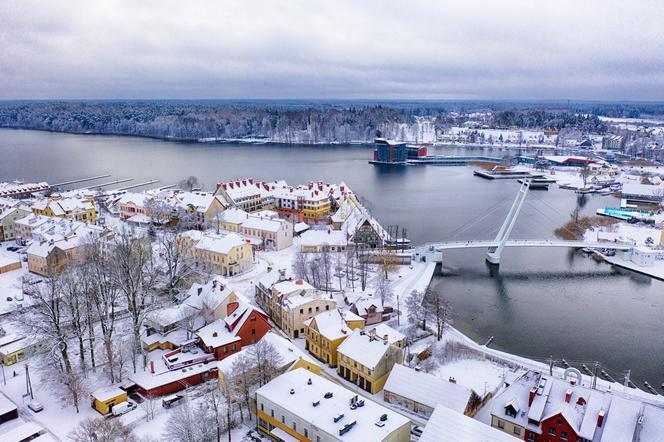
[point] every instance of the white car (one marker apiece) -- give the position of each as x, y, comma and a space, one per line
35, 406
123, 407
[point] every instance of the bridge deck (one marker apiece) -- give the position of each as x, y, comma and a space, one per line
451, 245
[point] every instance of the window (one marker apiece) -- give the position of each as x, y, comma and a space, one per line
262, 407
564, 435
271, 413
531, 435
327, 307
317, 308
253, 331
501, 424
294, 426
283, 419
517, 431
306, 433
309, 309
552, 431
301, 311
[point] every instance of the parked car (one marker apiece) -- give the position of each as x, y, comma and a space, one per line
35, 406
170, 401
416, 431
123, 407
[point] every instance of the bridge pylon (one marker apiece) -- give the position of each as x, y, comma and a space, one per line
493, 254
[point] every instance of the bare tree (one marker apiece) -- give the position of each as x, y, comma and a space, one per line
150, 405
417, 313
218, 401
185, 424
190, 183
266, 360
100, 429
438, 311
301, 266
384, 289
135, 274
178, 265
325, 265
74, 294
245, 378
350, 267
387, 263
105, 294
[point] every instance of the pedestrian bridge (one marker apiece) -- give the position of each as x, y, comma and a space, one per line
486, 244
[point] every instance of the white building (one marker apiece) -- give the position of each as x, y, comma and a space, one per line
300, 405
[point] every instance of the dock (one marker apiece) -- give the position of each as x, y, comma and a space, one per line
80, 180
503, 174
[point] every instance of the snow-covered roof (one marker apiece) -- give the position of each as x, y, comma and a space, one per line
106, 393
137, 199
300, 227
445, 424
321, 416
364, 303
332, 324
233, 215
265, 224
314, 238
148, 380
368, 348
209, 295
427, 389
288, 351
290, 286
22, 432
646, 190
621, 420
6, 260
653, 424
220, 244
217, 334
6, 405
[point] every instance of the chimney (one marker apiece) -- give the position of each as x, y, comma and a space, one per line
215, 334
232, 306
600, 418
531, 395
299, 282
568, 395
452, 380
200, 290
152, 367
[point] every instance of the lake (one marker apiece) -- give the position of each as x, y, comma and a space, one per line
542, 302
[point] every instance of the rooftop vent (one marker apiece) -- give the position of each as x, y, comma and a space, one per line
383, 417
328, 395
346, 428
338, 417
315, 404
309, 382
292, 391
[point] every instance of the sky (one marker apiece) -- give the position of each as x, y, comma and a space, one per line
342, 49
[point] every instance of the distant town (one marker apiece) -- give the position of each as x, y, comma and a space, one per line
261, 310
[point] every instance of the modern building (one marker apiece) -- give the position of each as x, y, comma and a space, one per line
300, 405
366, 357
326, 331
390, 152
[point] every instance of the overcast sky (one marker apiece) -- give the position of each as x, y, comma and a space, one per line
493, 49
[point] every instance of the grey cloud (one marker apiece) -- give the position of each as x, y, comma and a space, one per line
331, 49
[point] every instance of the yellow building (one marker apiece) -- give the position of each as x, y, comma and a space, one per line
14, 348
367, 357
302, 406
225, 255
79, 209
326, 331
103, 399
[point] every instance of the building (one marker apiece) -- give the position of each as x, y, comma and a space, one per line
8, 409
103, 399
613, 142
243, 194
421, 393
326, 331
644, 256
300, 405
290, 302
9, 263
244, 325
541, 408
318, 241
370, 309
226, 255
15, 348
272, 232
19, 189
390, 152
8, 217
79, 208
131, 204
291, 357
448, 425
23, 227
24, 432
366, 357
642, 194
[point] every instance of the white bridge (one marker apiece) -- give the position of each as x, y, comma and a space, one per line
495, 247
488, 244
